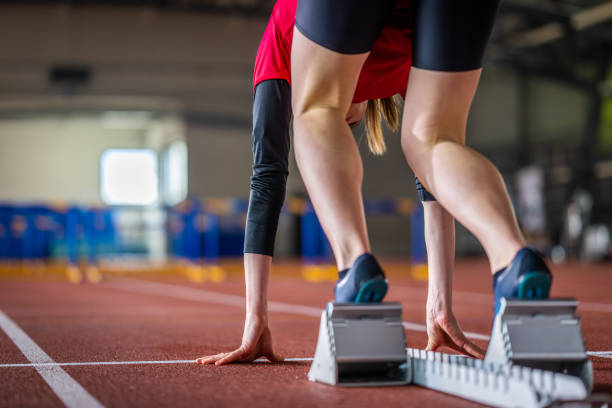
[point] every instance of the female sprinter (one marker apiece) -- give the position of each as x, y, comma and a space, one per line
390, 56
331, 42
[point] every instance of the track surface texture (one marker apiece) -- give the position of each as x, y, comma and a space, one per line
169, 322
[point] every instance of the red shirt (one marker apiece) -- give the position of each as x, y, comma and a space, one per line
384, 74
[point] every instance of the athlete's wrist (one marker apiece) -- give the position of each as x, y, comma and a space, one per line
257, 308
439, 303
257, 317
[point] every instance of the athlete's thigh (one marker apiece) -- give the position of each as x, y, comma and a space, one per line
437, 104
322, 78
331, 41
449, 40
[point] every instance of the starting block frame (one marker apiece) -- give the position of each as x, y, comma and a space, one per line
361, 345
543, 334
364, 345
493, 384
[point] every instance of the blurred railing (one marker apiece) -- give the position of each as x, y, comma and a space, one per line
35, 236
200, 232
190, 238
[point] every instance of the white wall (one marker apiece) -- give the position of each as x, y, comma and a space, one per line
57, 157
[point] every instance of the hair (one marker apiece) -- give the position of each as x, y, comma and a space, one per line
388, 109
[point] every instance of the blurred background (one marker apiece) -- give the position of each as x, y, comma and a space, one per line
125, 138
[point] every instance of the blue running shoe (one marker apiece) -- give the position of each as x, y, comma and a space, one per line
527, 277
364, 282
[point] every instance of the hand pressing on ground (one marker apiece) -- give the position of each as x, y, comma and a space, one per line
256, 343
443, 331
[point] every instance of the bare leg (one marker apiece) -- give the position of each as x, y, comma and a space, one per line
462, 180
323, 85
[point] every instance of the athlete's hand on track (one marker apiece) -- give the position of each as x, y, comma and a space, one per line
443, 331
256, 342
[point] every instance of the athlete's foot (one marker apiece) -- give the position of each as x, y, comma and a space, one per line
364, 282
527, 277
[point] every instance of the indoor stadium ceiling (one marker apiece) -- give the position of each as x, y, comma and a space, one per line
244, 7
570, 40
530, 11
522, 24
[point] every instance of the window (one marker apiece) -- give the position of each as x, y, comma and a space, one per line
129, 177
175, 173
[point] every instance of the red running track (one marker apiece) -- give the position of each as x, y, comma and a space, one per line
168, 319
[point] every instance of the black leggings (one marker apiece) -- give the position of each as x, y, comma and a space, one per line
447, 35
271, 142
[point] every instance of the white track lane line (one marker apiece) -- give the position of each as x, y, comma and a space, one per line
602, 354
207, 296
145, 362
70, 392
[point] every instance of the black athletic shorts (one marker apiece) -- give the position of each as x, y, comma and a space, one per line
448, 35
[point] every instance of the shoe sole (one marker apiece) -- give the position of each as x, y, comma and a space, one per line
534, 285
372, 291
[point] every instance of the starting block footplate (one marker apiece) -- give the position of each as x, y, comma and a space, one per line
536, 356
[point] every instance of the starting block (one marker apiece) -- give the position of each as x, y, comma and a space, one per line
361, 345
536, 356
542, 334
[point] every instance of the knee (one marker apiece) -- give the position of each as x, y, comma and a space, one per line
311, 130
418, 140
418, 136
315, 115
413, 146
301, 121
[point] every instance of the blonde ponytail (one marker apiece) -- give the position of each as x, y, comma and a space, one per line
388, 109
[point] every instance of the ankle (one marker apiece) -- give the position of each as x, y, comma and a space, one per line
347, 258
503, 258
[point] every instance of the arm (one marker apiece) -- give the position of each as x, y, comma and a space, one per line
440, 242
271, 121
442, 327
256, 337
